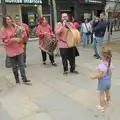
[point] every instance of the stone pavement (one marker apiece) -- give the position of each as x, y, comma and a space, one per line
53, 96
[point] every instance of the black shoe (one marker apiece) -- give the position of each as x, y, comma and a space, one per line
44, 63
65, 73
94, 55
27, 82
17, 82
74, 71
54, 64
97, 57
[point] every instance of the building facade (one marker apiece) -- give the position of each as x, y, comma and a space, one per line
116, 16
27, 9
81, 9
77, 9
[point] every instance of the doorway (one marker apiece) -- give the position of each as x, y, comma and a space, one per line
29, 13
98, 12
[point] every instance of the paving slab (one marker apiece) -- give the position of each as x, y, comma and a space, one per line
37, 116
60, 107
4, 114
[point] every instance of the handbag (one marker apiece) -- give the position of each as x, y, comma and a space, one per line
8, 62
88, 32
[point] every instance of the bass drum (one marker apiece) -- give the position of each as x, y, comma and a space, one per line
73, 37
49, 45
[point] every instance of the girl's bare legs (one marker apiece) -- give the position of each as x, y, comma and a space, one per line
102, 103
107, 95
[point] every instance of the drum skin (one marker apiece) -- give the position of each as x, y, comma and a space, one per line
73, 37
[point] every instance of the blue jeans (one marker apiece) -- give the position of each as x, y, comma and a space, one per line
84, 38
97, 45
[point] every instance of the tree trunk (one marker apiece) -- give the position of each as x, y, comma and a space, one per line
111, 19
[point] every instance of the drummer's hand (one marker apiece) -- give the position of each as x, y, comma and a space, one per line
64, 22
18, 40
53, 35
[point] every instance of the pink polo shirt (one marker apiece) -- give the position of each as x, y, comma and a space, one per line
12, 48
40, 31
61, 33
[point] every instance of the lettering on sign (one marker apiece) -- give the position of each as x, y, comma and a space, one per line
13, 1
33, 1
95, 1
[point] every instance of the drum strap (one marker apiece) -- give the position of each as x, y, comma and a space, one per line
62, 41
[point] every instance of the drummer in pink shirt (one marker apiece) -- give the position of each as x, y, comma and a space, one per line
44, 30
13, 48
66, 52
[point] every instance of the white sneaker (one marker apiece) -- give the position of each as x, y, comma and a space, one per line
100, 108
108, 103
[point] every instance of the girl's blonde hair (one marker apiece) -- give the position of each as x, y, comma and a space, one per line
107, 54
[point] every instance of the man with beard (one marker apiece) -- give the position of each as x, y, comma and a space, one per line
66, 52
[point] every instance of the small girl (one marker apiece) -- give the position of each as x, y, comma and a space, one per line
105, 69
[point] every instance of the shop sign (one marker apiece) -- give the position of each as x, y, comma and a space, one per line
33, 1
23, 1
91, 1
13, 1
94, 1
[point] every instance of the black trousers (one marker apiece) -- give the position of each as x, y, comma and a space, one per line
44, 57
68, 54
18, 62
25, 55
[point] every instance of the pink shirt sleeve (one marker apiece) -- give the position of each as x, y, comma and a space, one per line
38, 31
4, 37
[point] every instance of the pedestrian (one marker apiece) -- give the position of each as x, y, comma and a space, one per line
99, 32
95, 23
66, 53
13, 48
44, 30
105, 69
26, 27
111, 30
76, 24
86, 32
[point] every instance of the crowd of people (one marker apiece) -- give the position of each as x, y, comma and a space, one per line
92, 32
15, 36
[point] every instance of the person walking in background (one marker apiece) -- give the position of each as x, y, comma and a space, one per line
13, 47
111, 30
76, 24
105, 69
86, 31
99, 32
26, 27
44, 30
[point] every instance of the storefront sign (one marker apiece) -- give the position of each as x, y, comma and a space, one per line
33, 1
95, 1
13, 1
91, 1
23, 1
